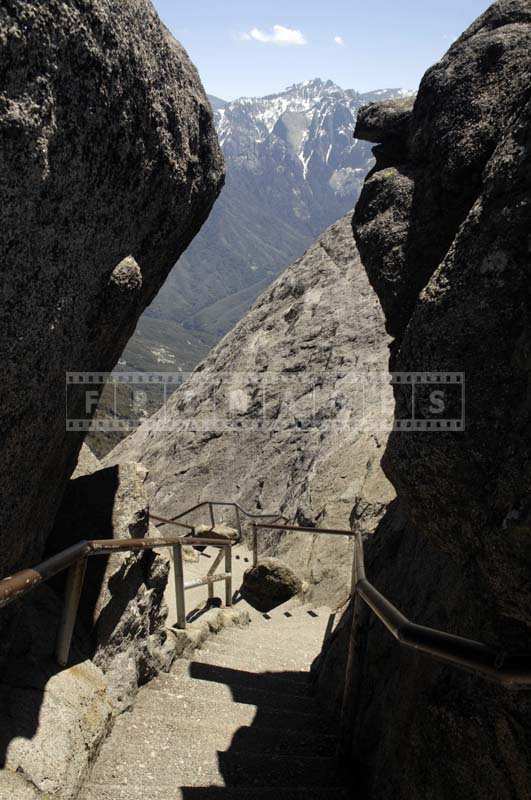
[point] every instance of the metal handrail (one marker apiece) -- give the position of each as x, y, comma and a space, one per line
75, 560
15, 586
229, 503
164, 521
326, 531
211, 504
509, 669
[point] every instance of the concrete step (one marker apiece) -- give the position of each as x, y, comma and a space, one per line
237, 722
137, 792
311, 634
241, 714
291, 615
200, 690
286, 616
211, 667
286, 645
300, 625
216, 734
268, 667
267, 657
158, 769
289, 648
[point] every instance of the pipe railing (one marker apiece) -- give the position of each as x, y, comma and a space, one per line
300, 529
74, 559
509, 669
211, 505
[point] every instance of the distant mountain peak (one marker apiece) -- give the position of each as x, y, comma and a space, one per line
312, 121
314, 84
314, 87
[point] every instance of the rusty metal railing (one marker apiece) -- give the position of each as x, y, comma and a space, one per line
211, 505
509, 669
74, 559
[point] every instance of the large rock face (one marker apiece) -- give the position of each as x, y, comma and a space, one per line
54, 719
271, 419
442, 227
122, 602
462, 303
109, 165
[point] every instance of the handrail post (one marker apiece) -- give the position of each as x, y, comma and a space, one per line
179, 585
238, 523
211, 571
255, 545
354, 575
228, 579
211, 512
74, 586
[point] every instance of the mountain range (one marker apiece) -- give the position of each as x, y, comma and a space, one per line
293, 168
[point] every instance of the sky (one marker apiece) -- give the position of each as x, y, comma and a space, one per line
360, 45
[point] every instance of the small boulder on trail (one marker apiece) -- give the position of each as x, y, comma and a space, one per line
219, 531
269, 584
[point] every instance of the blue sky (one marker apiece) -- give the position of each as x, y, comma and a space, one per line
360, 45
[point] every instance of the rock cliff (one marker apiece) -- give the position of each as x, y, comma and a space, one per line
109, 165
442, 226
273, 417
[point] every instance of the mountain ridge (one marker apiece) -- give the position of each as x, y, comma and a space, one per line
288, 178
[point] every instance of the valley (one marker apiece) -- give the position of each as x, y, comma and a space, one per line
293, 168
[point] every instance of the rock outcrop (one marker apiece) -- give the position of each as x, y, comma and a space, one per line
122, 603
87, 463
109, 165
53, 720
270, 418
442, 226
269, 584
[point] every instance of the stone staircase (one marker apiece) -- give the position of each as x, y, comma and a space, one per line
236, 722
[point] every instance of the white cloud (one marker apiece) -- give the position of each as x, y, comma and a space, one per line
339, 41
279, 35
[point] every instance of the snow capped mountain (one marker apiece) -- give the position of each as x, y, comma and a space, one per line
293, 169
310, 123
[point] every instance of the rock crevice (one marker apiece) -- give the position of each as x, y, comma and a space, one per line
268, 419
